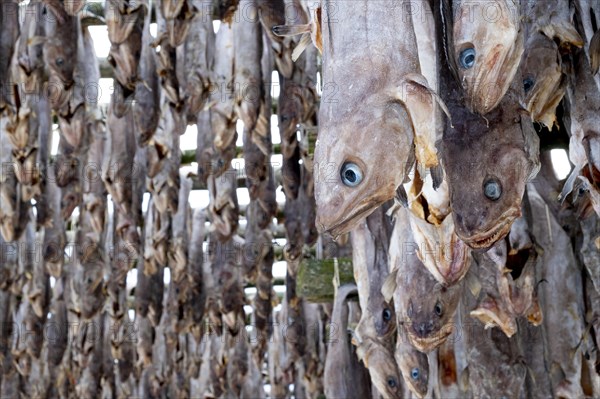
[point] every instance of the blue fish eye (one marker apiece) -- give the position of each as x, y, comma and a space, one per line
351, 174
467, 58
414, 373
492, 189
528, 83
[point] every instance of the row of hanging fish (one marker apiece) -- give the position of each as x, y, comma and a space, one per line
89, 203
440, 107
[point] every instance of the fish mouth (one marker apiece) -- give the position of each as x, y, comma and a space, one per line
429, 343
486, 239
351, 220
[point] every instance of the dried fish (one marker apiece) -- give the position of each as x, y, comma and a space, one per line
348, 186
427, 318
344, 375
484, 61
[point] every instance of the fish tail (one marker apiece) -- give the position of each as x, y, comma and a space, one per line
290, 30
595, 52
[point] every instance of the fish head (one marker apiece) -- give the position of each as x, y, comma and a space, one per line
430, 315
425, 308
414, 367
484, 214
382, 368
486, 50
543, 80
358, 163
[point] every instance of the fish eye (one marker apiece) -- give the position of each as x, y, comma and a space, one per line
467, 58
414, 373
351, 174
438, 309
386, 314
391, 381
59, 61
492, 189
528, 84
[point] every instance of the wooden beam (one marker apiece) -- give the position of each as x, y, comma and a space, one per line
315, 278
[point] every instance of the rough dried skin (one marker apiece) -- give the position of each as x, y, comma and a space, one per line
179, 233
493, 372
503, 298
587, 14
223, 205
248, 51
542, 67
502, 148
60, 46
124, 57
344, 376
194, 307
424, 307
370, 240
273, 13
564, 314
9, 32
413, 365
150, 286
446, 257
222, 116
498, 43
146, 111
179, 15
384, 372
199, 53
393, 103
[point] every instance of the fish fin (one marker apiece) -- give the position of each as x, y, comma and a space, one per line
595, 52
437, 176
568, 186
565, 32
473, 284
290, 30
402, 196
389, 285
301, 46
36, 40
413, 92
420, 80
532, 146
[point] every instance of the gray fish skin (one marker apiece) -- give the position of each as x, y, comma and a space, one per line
561, 273
425, 309
374, 333
344, 375
503, 150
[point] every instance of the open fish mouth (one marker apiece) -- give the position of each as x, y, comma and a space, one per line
429, 343
487, 239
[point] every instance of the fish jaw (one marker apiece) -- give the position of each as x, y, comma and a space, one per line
488, 238
336, 225
428, 343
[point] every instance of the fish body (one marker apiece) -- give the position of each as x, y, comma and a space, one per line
368, 122
344, 376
